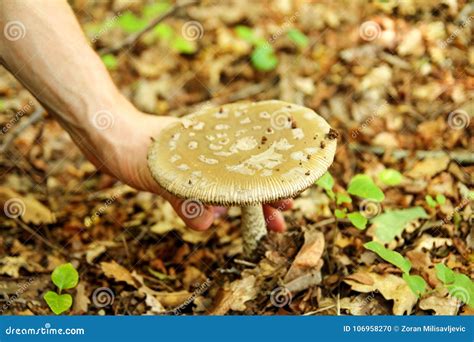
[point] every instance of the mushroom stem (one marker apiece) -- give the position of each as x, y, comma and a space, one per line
253, 228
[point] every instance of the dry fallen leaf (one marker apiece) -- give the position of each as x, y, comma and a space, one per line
429, 167
391, 287
446, 305
117, 272
81, 299
309, 256
235, 295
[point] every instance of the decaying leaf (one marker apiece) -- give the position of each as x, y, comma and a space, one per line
391, 287
235, 295
117, 272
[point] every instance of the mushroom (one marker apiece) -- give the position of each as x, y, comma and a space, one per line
243, 154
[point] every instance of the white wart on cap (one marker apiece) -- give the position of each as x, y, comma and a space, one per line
243, 153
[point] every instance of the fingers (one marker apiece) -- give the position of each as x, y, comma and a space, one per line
194, 214
282, 205
274, 219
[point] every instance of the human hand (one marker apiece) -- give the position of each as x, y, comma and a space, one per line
124, 147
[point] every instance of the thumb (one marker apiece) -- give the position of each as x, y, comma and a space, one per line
193, 212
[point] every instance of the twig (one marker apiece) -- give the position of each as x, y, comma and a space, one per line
38, 236
132, 39
245, 263
462, 156
32, 119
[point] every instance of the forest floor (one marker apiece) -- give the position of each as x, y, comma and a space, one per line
394, 78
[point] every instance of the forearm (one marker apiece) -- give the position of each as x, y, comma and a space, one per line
54, 61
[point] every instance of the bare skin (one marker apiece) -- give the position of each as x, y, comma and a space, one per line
54, 61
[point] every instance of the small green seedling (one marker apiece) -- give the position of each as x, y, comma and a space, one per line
416, 283
263, 56
390, 177
434, 202
298, 37
459, 285
363, 186
64, 277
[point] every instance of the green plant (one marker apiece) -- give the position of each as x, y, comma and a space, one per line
263, 55
416, 283
458, 285
298, 37
434, 202
390, 177
391, 223
64, 277
363, 186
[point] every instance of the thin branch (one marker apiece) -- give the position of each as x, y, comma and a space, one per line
32, 119
462, 156
132, 39
38, 236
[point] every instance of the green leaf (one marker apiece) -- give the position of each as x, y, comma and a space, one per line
416, 283
440, 199
430, 201
363, 186
130, 23
342, 198
298, 37
391, 223
392, 257
444, 273
462, 289
326, 181
110, 61
184, 46
246, 33
163, 31
263, 58
154, 9
340, 214
358, 220
65, 277
58, 303
390, 177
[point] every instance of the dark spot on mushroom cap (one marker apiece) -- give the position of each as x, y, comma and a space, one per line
332, 134
264, 140
189, 182
315, 137
221, 110
323, 144
293, 124
307, 173
269, 130
308, 156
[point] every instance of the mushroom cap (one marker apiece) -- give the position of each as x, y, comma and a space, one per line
243, 153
